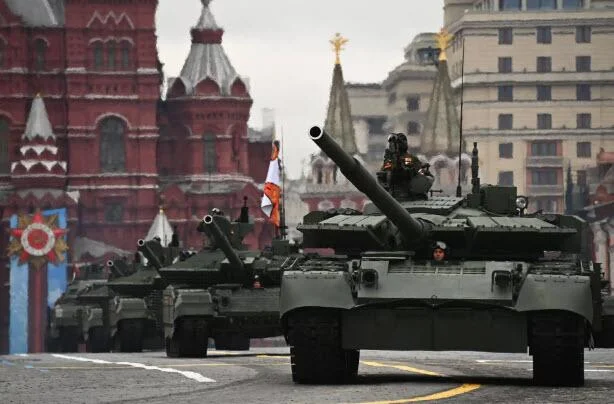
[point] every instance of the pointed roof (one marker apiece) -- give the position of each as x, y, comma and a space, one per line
160, 227
441, 132
207, 59
338, 122
38, 122
38, 13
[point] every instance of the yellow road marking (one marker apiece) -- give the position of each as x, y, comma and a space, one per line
462, 389
465, 388
403, 367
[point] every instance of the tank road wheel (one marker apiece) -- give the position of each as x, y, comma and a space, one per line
129, 337
98, 340
232, 342
557, 346
190, 339
315, 349
69, 339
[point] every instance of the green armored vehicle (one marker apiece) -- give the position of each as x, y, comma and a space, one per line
223, 292
65, 318
439, 273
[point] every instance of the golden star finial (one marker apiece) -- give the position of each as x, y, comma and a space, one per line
443, 39
338, 41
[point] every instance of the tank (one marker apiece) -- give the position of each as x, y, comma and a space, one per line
224, 292
66, 316
135, 307
474, 273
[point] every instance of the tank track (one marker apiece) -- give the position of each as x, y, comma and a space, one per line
190, 339
98, 340
129, 336
316, 354
557, 345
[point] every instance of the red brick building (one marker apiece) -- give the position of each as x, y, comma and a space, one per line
107, 147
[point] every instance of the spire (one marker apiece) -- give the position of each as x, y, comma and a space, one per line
207, 59
161, 228
338, 122
441, 132
38, 121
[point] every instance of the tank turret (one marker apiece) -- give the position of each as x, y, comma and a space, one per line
411, 229
223, 243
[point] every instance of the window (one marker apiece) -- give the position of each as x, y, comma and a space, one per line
111, 55
581, 178
506, 178
413, 103
544, 176
583, 121
413, 128
571, 4
210, 153
544, 35
376, 125
544, 64
392, 98
505, 36
583, 92
544, 121
544, 93
543, 148
506, 121
541, 4
506, 150
583, 34
583, 63
505, 65
112, 155
506, 93
113, 212
2, 52
546, 204
40, 54
4, 146
98, 56
125, 54
509, 4
583, 149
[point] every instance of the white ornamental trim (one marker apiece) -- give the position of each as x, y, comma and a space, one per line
92, 187
38, 149
40, 230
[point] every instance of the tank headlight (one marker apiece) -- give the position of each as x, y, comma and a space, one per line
522, 202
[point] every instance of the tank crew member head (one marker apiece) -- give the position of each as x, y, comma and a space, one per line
440, 251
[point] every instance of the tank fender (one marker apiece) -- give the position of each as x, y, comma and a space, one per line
130, 308
326, 289
92, 317
556, 292
193, 302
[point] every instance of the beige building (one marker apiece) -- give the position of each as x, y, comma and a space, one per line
538, 89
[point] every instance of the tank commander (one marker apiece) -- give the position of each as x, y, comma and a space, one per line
439, 251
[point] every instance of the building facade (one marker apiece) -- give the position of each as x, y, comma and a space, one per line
538, 89
111, 151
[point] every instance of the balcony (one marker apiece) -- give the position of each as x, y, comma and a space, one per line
544, 161
545, 190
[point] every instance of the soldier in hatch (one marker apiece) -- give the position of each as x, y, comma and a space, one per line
439, 251
397, 156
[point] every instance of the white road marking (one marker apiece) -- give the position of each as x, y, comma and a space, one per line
22, 354
502, 361
190, 375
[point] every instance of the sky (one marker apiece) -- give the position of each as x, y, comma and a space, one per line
283, 47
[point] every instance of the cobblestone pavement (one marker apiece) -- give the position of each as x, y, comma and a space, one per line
262, 375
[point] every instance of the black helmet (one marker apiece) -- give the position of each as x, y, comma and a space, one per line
441, 245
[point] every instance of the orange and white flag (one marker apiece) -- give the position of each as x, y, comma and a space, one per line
272, 187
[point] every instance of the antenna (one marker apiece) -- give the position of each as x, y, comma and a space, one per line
460, 137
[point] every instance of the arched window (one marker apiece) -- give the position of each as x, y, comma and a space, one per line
209, 153
112, 155
4, 146
40, 54
98, 55
125, 54
111, 55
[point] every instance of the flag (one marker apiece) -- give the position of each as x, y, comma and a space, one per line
272, 187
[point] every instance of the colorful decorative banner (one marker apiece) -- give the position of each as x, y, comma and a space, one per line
36, 240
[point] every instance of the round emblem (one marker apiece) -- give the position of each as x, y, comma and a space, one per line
37, 239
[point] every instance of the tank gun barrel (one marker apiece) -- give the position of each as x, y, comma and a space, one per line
222, 241
114, 269
409, 227
148, 252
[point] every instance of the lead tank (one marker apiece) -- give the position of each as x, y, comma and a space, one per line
439, 273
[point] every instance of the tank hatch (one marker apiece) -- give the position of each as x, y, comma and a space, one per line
438, 205
346, 232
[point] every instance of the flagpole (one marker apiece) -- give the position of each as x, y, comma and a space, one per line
282, 209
